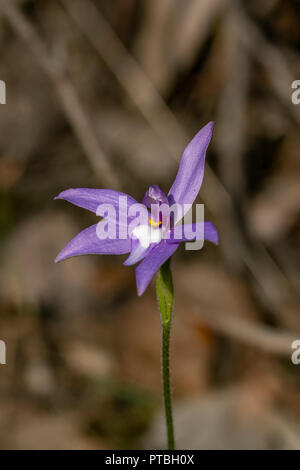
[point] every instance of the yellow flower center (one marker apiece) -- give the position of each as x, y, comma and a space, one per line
153, 223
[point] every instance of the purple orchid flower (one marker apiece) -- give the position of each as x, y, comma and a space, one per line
152, 242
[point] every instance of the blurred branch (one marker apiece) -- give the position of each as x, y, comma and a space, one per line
279, 73
195, 24
130, 75
232, 115
232, 111
246, 331
66, 92
153, 32
182, 27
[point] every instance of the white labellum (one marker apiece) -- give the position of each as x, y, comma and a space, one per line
147, 235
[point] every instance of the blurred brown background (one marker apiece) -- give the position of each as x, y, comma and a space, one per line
107, 94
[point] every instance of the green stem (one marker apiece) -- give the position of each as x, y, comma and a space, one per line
164, 288
166, 328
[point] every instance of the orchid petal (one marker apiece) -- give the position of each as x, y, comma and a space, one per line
138, 252
191, 169
151, 263
87, 242
154, 195
188, 232
91, 199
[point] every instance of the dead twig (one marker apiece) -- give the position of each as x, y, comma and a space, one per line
246, 331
